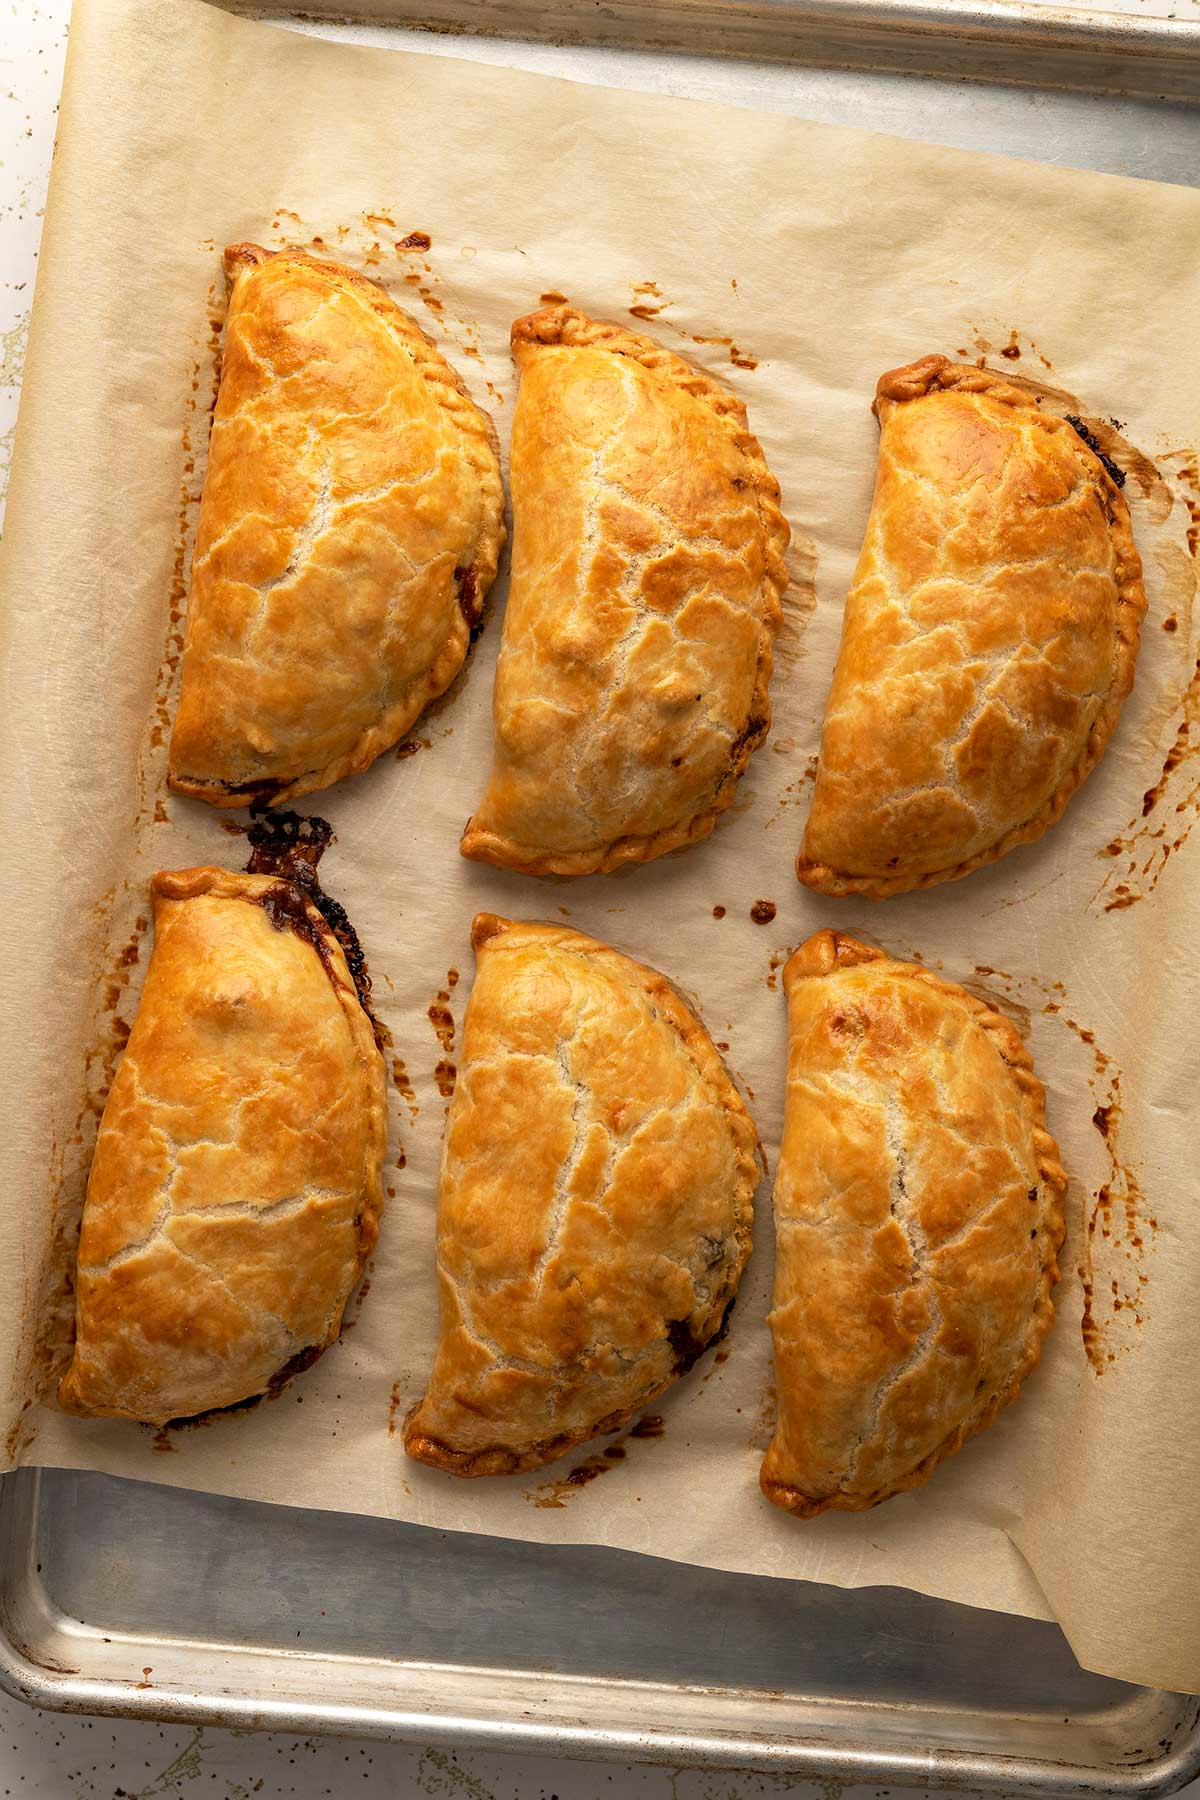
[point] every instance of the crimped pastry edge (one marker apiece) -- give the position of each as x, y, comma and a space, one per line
482, 448
488, 928
913, 381
823, 954
553, 326
468, 1464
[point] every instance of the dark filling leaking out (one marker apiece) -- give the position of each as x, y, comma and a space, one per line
258, 794
468, 598
749, 737
290, 847
295, 1365
1093, 444
286, 844
688, 1348
287, 909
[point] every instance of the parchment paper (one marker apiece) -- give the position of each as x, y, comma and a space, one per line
798, 261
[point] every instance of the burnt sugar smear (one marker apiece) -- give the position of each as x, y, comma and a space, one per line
290, 847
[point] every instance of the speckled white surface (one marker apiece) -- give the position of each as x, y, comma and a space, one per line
65, 1758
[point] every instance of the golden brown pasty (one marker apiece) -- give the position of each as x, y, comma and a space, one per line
918, 1215
594, 1211
645, 598
350, 526
989, 639
235, 1188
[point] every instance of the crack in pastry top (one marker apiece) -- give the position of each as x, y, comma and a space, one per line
642, 645
344, 550
1011, 720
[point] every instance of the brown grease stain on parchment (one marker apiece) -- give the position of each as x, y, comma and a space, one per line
402, 1081
1012, 351
556, 1494
777, 959
1185, 466
797, 793
442, 1019
1114, 1228
354, 1305
1138, 855
649, 303
1141, 852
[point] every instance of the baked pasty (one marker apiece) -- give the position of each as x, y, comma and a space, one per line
350, 526
594, 1211
645, 597
990, 636
235, 1188
918, 1216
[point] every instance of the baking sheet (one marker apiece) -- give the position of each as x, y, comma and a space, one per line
798, 261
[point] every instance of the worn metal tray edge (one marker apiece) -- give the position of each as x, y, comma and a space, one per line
1018, 42
812, 1758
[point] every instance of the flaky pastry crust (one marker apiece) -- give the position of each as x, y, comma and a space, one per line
990, 637
235, 1188
647, 578
918, 1216
351, 523
595, 1205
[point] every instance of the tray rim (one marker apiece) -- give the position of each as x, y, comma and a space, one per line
1015, 42
536, 1721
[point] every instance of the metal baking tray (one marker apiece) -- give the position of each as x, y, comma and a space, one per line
127, 1598
122, 1597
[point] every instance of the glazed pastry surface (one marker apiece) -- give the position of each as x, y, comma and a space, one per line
349, 530
594, 1211
645, 598
918, 1216
235, 1187
989, 639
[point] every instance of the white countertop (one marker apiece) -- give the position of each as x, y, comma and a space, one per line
58, 1757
